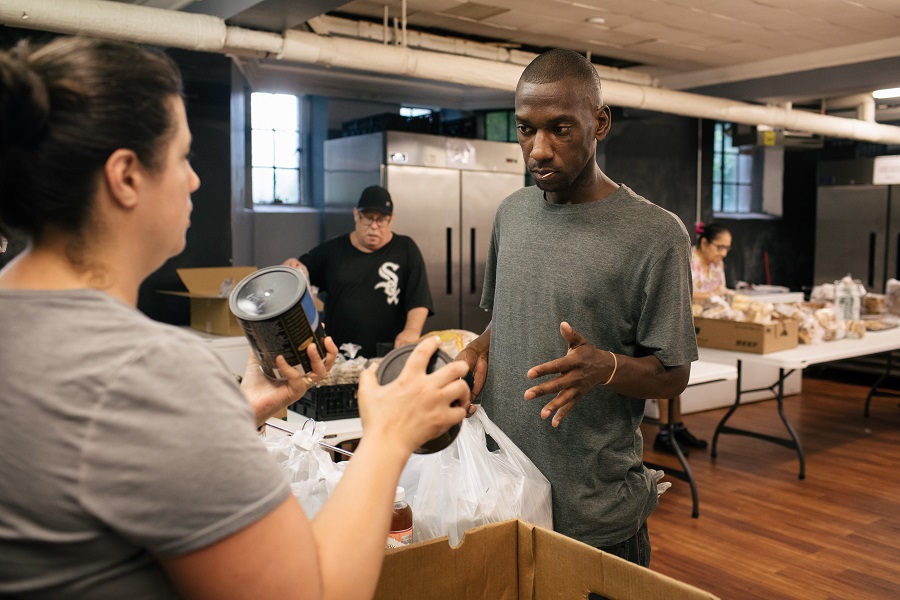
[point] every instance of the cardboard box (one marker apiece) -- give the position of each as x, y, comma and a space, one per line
514, 560
746, 337
209, 309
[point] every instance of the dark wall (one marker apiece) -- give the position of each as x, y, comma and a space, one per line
207, 80
656, 156
787, 242
9, 37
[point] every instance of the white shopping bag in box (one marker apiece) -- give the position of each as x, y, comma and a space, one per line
309, 467
468, 484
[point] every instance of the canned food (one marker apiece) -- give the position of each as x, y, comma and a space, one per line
278, 316
389, 369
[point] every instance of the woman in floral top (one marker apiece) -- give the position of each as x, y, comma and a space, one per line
708, 273
707, 260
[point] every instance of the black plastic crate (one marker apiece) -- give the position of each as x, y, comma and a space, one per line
328, 402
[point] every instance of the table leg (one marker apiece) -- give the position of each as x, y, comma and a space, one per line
685, 474
776, 388
787, 424
874, 391
721, 426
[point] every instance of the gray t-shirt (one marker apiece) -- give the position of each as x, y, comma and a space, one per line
618, 270
121, 438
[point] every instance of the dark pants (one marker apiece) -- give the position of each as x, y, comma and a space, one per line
635, 549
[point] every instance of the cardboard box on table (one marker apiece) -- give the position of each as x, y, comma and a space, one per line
209, 309
744, 336
514, 560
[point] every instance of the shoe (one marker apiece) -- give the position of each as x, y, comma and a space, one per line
661, 444
685, 438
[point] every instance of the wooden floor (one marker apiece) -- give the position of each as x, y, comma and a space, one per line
765, 534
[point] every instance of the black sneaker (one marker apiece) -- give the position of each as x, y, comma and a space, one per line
686, 438
661, 444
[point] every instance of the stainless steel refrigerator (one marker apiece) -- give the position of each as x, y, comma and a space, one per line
857, 225
445, 191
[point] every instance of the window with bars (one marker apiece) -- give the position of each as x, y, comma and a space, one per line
732, 173
276, 149
500, 126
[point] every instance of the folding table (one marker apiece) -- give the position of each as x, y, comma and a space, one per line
787, 361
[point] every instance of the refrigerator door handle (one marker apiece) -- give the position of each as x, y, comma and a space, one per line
871, 278
472, 284
897, 262
449, 260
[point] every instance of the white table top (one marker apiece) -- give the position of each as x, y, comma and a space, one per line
804, 355
775, 298
707, 372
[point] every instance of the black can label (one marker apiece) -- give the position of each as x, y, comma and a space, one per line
288, 332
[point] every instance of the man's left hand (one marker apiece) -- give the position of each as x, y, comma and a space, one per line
583, 368
406, 337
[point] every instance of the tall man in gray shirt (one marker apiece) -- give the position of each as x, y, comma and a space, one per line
589, 285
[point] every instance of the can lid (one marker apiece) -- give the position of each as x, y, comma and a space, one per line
389, 369
390, 366
400, 495
267, 292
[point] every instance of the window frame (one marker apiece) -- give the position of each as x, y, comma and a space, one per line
297, 170
732, 186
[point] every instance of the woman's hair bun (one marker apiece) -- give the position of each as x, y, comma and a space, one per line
24, 101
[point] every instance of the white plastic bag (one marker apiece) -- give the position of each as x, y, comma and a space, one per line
309, 467
467, 485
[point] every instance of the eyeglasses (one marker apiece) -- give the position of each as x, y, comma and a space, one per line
367, 220
722, 247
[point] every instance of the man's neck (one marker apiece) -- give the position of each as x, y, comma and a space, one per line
356, 243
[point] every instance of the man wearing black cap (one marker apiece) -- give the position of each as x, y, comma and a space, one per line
374, 280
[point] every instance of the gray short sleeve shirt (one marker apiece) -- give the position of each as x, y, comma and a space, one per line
121, 439
618, 270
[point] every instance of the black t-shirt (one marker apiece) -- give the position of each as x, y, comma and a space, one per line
368, 294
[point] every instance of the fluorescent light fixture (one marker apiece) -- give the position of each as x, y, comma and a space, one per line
888, 93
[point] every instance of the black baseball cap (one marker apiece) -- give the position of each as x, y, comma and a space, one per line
377, 198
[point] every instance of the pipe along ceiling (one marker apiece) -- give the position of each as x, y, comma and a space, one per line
206, 33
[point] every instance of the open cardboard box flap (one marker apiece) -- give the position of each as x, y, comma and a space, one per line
206, 282
515, 560
210, 312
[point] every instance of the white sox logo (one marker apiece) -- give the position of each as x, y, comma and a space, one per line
388, 272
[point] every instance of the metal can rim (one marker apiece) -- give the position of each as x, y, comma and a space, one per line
242, 284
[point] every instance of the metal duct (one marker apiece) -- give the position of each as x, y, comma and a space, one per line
116, 20
202, 32
361, 30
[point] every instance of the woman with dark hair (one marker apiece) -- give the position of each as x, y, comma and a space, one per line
708, 275
131, 463
707, 260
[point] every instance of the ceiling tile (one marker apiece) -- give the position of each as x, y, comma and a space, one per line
742, 52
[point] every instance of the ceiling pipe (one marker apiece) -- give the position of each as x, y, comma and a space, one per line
864, 104
328, 25
205, 33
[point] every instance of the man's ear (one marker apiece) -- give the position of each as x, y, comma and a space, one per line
604, 122
122, 174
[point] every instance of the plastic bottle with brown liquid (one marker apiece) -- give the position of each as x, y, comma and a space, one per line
401, 533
